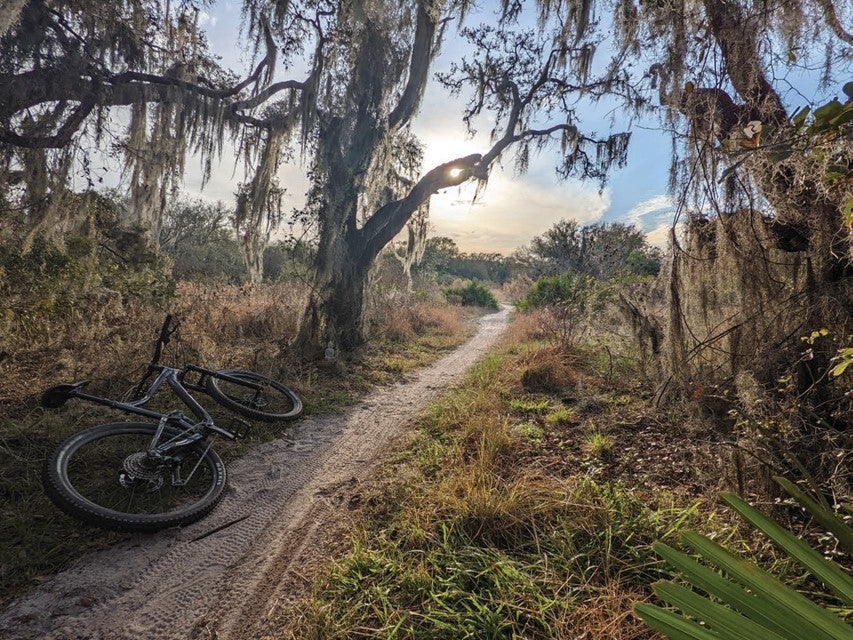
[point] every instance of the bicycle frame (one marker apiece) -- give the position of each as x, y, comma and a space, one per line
175, 378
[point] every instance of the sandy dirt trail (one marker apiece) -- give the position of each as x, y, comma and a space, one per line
219, 577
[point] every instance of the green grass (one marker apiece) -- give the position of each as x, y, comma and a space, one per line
530, 405
529, 431
463, 541
598, 444
560, 416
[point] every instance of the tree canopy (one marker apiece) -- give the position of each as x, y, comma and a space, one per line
599, 250
339, 83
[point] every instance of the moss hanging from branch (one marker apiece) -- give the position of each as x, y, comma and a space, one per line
259, 207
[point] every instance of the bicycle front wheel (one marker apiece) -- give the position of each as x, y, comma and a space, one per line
105, 477
254, 396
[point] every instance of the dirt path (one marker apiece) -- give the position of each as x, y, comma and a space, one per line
218, 577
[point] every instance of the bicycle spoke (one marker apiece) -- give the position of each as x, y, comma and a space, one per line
116, 474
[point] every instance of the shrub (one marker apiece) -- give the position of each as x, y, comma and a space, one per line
571, 289
473, 294
566, 301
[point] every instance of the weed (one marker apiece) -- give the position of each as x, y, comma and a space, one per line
529, 431
530, 405
598, 444
560, 416
622, 400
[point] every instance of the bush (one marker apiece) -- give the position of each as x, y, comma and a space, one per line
473, 294
566, 300
548, 372
573, 290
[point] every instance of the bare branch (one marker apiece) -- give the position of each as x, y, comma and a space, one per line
60, 139
266, 94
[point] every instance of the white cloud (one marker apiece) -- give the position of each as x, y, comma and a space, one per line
654, 216
659, 236
207, 20
652, 205
511, 211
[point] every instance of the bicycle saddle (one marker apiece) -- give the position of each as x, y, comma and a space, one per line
56, 396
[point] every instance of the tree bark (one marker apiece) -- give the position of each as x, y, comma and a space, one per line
335, 308
10, 14
801, 203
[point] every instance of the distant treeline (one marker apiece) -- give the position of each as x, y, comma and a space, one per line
602, 251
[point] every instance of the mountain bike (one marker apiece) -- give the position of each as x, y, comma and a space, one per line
143, 476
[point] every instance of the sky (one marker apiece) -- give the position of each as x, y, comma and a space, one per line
513, 209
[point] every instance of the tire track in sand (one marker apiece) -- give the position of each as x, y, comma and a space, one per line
177, 585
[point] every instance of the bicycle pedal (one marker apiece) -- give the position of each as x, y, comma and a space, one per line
235, 426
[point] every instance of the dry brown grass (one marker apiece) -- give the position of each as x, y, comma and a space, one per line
514, 290
222, 325
526, 327
548, 370
403, 321
608, 613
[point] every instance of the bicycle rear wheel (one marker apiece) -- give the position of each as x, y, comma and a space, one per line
254, 396
103, 476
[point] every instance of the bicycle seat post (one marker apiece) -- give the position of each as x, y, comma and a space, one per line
162, 340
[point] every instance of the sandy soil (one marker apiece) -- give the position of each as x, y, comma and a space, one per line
219, 577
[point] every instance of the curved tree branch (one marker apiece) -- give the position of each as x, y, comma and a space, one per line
831, 18
736, 37
423, 51
60, 139
19, 92
390, 219
266, 94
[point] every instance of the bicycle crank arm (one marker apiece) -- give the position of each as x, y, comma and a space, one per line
224, 432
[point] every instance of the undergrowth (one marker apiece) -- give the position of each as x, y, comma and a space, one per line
223, 326
474, 533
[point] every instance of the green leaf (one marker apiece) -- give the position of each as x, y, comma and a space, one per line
730, 171
840, 368
673, 626
847, 213
827, 518
813, 621
828, 111
780, 620
844, 117
722, 620
848, 90
779, 156
800, 116
829, 573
